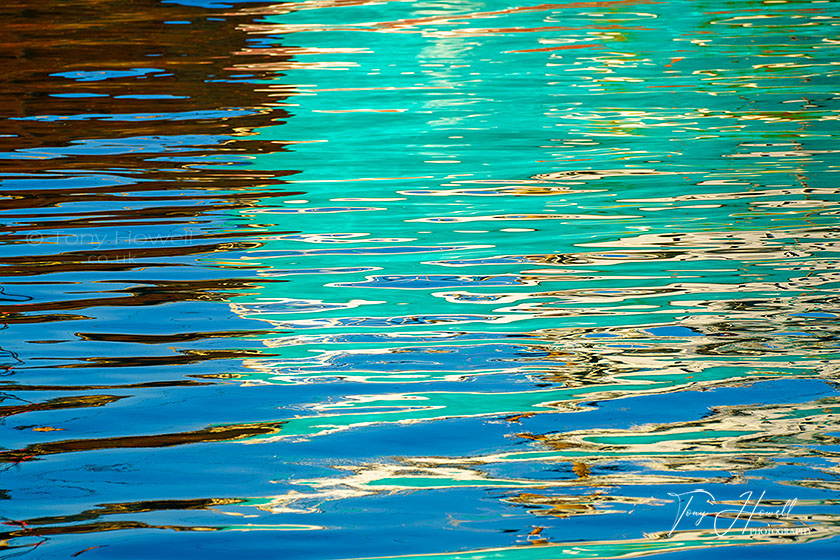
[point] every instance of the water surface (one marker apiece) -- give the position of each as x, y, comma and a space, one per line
446, 279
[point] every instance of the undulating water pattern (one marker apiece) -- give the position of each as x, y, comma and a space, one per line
445, 279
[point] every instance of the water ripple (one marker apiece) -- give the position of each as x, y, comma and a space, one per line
437, 279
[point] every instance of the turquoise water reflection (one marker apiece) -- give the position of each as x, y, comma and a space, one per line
536, 210
465, 280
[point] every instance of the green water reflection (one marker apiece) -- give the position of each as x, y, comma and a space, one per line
514, 211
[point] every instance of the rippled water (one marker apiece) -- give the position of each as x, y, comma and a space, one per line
447, 280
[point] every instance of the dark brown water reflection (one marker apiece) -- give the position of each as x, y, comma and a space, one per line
105, 103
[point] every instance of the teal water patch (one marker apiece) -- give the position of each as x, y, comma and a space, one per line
643, 191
